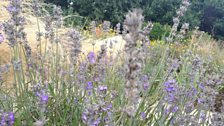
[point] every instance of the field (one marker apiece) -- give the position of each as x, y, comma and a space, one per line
53, 75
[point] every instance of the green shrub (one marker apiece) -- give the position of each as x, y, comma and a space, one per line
159, 31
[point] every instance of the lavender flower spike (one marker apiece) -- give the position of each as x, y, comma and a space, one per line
1, 38
91, 57
11, 117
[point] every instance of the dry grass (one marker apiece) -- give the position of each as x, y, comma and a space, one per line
206, 46
31, 29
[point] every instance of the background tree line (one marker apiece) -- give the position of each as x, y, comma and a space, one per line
207, 14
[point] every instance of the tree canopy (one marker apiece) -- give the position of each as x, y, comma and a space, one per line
207, 14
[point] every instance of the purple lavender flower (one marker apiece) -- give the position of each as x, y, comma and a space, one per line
195, 91
36, 8
91, 57
175, 109
171, 97
84, 117
143, 115
102, 88
12, 9
76, 101
3, 120
1, 38
89, 85
43, 97
171, 109
145, 81
11, 118
107, 120
171, 88
1, 27
107, 107
169, 85
96, 122
7, 119
88, 118
145, 86
201, 86
202, 116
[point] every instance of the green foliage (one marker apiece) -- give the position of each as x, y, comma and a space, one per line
161, 11
213, 21
159, 31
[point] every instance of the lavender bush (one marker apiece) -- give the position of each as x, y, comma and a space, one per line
143, 85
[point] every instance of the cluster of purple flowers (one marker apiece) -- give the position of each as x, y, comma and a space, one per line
1, 38
171, 88
1, 35
89, 87
40, 91
4, 69
145, 82
98, 110
91, 57
43, 97
14, 27
7, 119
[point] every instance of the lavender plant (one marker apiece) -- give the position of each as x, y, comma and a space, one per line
176, 22
148, 85
133, 65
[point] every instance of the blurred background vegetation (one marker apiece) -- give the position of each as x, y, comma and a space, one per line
208, 15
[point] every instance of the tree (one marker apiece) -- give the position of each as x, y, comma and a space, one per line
208, 14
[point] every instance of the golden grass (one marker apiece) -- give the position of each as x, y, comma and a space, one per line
207, 46
31, 29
